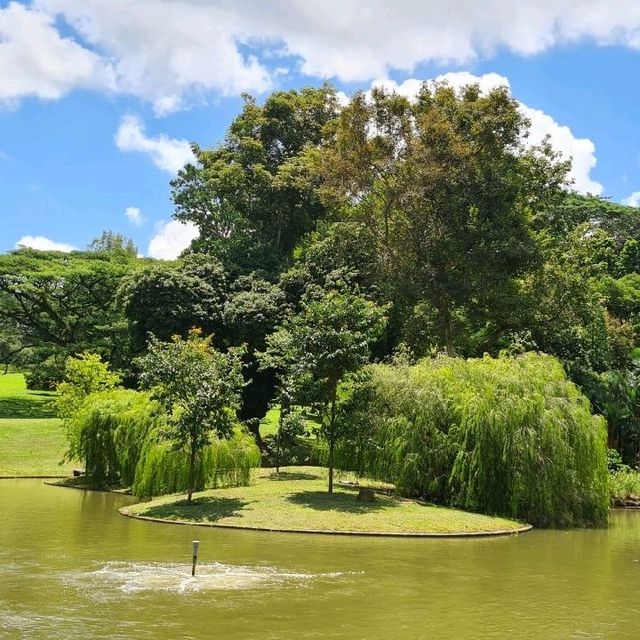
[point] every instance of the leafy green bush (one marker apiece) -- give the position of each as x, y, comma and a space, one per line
118, 436
624, 485
509, 436
164, 469
107, 433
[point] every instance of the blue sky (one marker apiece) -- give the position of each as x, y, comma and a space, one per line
98, 98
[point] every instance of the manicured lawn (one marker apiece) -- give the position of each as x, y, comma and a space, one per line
269, 424
32, 440
297, 499
32, 448
18, 402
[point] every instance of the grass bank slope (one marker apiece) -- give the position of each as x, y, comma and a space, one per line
296, 499
32, 440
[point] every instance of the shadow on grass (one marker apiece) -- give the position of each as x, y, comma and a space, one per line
292, 475
345, 502
206, 509
28, 407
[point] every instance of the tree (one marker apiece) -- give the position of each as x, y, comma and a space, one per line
329, 339
199, 388
250, 197
83, 374
168, 298
112, 242
446, 186
55, 305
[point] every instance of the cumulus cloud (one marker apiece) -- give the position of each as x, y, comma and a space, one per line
168, 154
35, 60
43, 244
581, 151
172, 52
633, 200
134, 215
171, 239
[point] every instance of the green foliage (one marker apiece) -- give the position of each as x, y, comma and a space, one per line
223, 462
252, 197
54, 305
624, 484
315, 349
510, 436
111, 242
169, 298
198, 388
107, 434
83, 375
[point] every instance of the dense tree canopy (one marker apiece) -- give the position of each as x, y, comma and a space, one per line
435, 209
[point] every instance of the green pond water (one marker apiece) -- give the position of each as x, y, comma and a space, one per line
71, 567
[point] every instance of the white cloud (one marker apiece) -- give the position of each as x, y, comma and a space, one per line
43, 244
633, 200
580, 150
168, 154
171, 52
36, 61
171, 239
134, 215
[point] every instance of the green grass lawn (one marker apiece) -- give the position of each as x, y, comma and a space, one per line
32, 441
16, 401
297, 499
269, 424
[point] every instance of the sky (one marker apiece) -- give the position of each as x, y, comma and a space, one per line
99, 99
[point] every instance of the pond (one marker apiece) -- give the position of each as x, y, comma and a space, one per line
72, 567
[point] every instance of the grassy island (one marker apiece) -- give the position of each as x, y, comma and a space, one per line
296, 500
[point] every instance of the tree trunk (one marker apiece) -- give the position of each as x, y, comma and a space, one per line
332, 424
445, 321
192, 464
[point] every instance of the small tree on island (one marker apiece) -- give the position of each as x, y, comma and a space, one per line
199, 388
328, 340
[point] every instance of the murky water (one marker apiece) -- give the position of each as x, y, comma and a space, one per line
72, 567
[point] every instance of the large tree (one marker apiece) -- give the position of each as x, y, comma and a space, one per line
447, 187
53, 305
251, 197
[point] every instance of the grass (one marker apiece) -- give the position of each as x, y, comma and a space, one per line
16, 401
32, 441
296, 499
269, 424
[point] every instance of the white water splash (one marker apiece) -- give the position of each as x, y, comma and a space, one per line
133, 577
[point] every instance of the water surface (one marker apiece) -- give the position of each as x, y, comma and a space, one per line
72, 567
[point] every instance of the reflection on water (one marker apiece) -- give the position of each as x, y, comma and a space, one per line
71, 567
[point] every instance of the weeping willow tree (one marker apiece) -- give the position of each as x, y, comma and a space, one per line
119, 436
107, 433
509, 436
224, 462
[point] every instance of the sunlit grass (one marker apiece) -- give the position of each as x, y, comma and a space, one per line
297, 498
32, 440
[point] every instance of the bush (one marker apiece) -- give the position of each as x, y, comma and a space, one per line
509, 436
107, 433
118, 436
624, 486
163, 469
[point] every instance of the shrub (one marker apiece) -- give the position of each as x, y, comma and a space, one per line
107, 433
509, 436
164, 469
